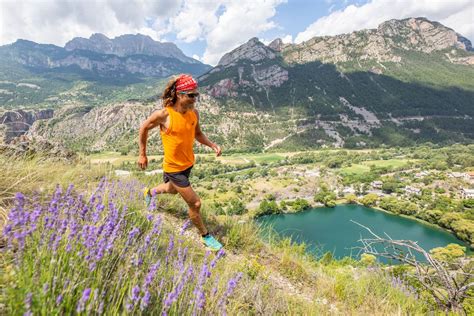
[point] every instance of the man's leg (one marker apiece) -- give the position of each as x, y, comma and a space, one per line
194, 203
163, 188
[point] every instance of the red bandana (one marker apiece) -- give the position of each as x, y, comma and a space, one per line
185, 83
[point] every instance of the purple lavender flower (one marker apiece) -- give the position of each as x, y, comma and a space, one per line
45, 288
59, 299
151, 274
185, 226
135, 293
219, 255
145, 300
231, 285
156, 226
28, 300
133, 233
215, 288
174, 294
82, 302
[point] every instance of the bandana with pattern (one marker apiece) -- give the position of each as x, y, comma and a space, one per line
186, 83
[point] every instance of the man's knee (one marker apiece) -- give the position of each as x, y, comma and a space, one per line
195, 205
170, 188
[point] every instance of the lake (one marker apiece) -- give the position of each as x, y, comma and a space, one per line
330, 229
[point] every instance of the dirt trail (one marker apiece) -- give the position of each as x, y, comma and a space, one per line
268, 260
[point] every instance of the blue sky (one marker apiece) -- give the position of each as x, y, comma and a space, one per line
207, 29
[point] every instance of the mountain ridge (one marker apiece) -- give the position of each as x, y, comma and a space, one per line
382, 96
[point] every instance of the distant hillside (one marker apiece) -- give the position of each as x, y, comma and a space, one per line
409, 79
32, 73
407, 82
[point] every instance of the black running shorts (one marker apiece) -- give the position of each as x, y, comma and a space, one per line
180, 178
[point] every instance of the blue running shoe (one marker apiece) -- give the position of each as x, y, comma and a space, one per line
147, 196
211, 243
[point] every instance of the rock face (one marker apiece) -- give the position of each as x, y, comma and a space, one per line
254, 68
127, 45
16, 123
31, 146
253, 51
97, 126
250, 66
417, 34
276, 45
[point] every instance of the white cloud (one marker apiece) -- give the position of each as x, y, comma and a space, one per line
456, 14
240, 21
196, 19
287, 39
57, 21
223, 24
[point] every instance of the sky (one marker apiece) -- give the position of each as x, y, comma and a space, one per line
207, 29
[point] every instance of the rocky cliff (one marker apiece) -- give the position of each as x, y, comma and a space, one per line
381, 44
126, 45
255, 67
18, 122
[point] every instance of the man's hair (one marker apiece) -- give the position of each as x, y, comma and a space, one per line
169, 94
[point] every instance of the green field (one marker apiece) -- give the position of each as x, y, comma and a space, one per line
365, 165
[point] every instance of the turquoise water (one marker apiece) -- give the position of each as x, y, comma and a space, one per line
331, 229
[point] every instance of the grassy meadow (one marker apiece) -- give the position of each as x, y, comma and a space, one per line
77, 239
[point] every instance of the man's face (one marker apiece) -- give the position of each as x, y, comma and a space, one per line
188, 98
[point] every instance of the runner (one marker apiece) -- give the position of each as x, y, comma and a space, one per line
179, 126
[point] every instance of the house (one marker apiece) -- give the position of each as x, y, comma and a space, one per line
412, 190
376, 184
467, 193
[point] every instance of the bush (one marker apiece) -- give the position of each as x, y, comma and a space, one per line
267, 208
301, 205
369, 199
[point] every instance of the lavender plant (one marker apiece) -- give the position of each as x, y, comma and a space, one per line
75, 253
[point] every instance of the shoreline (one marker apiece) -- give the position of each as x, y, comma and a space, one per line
469, 246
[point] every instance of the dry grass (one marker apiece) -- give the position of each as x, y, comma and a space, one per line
28, 174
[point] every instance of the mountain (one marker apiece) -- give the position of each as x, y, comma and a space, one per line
49, 71
127, 55
404, 83
127, 45
407, 81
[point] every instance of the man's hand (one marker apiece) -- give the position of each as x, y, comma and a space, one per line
217, 149
143, 162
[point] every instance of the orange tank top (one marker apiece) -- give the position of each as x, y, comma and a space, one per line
178, 140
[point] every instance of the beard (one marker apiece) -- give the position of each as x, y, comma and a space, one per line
190, 106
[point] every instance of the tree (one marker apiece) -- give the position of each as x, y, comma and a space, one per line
449, 253
389, 186
236, 207
368, 260
369, 199
267, 208
448, 283
301, 205
351, 198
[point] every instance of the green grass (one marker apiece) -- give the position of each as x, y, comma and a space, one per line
363, 167
279, 277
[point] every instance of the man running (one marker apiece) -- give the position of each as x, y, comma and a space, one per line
179, 126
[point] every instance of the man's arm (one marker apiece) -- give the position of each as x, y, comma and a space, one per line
200, 137
154, 120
